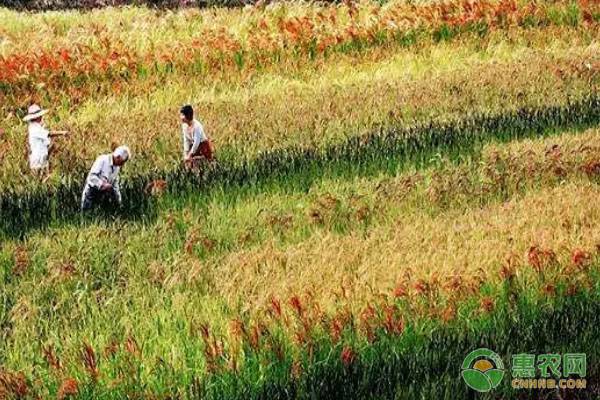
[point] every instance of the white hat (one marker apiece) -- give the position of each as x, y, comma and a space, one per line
34, 112
123, 152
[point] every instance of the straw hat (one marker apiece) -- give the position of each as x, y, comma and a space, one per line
33, 112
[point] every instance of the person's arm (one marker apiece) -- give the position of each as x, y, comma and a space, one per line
57, 133
95, 178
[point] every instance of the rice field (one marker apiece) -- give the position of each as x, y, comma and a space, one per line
397, 184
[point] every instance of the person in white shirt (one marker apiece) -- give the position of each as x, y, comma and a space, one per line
196, 144
102, 183
39, 139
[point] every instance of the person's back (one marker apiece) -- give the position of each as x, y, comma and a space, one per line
103, 170
39, 143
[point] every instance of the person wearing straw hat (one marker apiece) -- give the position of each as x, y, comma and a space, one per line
196, 144
39, 139
102, 183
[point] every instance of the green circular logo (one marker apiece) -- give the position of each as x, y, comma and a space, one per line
482, 370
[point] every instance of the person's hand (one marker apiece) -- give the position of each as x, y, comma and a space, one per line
106, 187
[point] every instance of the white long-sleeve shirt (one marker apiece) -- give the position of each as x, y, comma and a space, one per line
193, 135
103, 171
39, 143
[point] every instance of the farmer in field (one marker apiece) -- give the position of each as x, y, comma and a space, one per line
196, 144
39, 140
102, 184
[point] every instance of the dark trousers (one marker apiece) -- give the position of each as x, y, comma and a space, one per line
93, 197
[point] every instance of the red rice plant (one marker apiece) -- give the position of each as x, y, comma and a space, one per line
448, 314
347, 356
213, 348
111, 349
13, 385
453, 283
275, 309
368, 314
549, 290
487, 304
400, 290
207, 243
52, 359
297, 306
237, 329
131, 346
68, 388
421, 287
276, 347
205, 331
572, 289
367, 319
156, 187
509, 268
335, 330
67, 269
301, 337
392, 322
90, 362
540, 259
580, 258
338, 323
255, 336
316, 217
190, 241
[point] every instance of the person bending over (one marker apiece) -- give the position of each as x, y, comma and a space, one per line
196, 144
102, 183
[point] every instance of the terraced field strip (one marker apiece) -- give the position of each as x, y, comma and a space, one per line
386, 149
70, 53
310, 107
432, 254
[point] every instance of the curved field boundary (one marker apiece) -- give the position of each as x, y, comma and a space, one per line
386, 149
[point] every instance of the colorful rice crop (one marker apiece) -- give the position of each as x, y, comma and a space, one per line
395, 185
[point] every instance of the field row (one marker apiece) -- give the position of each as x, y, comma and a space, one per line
380, 150
71, 55
353, 259
278, 112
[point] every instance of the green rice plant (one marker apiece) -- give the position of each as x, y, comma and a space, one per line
411, 146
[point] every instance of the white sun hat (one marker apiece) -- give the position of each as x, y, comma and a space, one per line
33, 112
